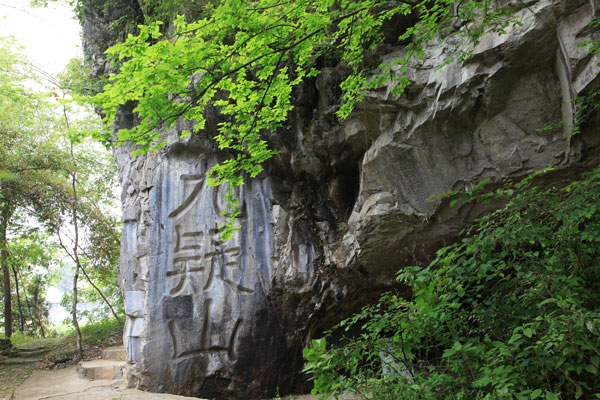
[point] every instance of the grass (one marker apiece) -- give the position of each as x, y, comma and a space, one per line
93, 333
19, 340
102, 331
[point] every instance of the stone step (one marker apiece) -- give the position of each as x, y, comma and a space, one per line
33, 348
116, 353
20, 361
29, 353
101, 369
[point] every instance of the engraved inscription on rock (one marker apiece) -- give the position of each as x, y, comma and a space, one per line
206, 278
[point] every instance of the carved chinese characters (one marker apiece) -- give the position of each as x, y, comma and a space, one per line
206, 278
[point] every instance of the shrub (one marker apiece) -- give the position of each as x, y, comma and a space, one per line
509, 312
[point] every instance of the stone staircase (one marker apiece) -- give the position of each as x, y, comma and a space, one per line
22, 355
109, 367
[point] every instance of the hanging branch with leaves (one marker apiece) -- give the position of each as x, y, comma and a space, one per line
246, 58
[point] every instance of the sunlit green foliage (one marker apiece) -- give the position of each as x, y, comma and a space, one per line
101, 331
30, 161
510, 312
246, 58
77, 79
29, 156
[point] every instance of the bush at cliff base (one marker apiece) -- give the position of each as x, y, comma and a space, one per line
510, 312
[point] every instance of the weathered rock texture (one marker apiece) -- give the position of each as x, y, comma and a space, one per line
341, 208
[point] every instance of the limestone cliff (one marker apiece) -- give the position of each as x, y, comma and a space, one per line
344, 205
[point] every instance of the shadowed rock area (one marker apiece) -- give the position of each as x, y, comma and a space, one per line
341, 208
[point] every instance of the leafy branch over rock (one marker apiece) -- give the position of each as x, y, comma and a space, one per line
247, 58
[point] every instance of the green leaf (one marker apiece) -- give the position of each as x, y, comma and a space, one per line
551, 396
514, 338
4, 174
591, 369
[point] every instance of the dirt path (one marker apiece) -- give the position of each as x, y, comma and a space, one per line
17, 364
22, 376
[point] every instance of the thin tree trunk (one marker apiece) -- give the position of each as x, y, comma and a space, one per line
77, 263
75, 279
28, 304
22, 327
101, 295
87, 277
75, 244
75, 322
36, 314
40, 324
4, 219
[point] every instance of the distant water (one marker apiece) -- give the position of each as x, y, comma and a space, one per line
57, 313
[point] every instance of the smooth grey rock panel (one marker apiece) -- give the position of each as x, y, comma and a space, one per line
134, 303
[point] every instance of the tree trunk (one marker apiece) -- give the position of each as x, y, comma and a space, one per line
101, 295
75, 255
77, 264
35, 316
22, 326
75, 322
75, 280
40, 324
31, 312
4, 220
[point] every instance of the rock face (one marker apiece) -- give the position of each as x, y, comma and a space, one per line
198, 317
341, 208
